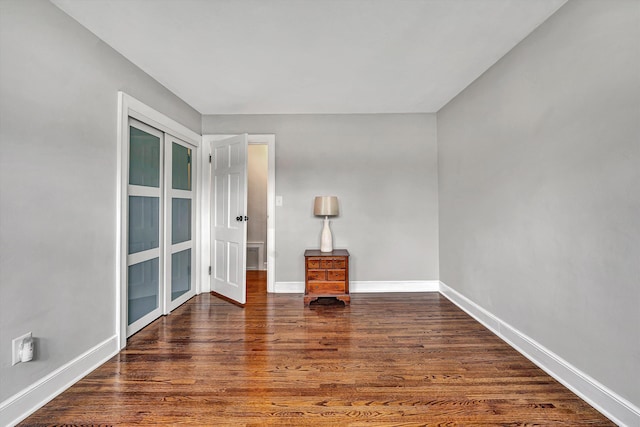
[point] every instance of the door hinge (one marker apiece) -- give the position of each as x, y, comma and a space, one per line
209, 270
210, 158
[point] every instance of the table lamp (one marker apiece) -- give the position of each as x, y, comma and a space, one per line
326, 206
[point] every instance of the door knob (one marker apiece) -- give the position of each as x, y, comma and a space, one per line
238, 218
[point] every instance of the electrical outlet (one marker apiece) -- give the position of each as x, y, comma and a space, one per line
278, 200
15, 348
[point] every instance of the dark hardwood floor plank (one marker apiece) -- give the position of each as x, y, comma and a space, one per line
387, 359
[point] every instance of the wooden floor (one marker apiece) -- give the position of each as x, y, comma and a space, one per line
388, 359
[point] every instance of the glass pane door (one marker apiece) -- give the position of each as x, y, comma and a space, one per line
180, 273
180, 215
144, 219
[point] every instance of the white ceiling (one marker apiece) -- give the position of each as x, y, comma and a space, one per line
312, 56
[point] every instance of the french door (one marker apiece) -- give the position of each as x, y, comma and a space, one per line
160, 214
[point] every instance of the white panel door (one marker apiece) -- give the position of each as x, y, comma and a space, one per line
228, 217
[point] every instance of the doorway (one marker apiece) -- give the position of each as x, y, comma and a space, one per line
211, 247
257, 180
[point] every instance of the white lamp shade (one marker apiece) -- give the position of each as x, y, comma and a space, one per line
326, 206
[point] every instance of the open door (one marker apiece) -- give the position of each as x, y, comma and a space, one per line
228, 218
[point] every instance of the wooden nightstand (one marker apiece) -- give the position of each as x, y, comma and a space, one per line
326, 274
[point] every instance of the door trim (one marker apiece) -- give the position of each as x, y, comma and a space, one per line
129, 106
205, 213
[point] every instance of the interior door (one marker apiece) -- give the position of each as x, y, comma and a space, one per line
145, 291
228, 217
180, 216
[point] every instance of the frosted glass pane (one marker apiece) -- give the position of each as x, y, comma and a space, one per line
144, 158
181, 167
144, 226
180, 273
142, 289
180, 220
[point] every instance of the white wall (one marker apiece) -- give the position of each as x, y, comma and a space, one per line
383, 169
58, 113
539, 170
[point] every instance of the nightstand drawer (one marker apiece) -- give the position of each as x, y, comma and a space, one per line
327, 287
313, 263
339, 263
326, 263
317, 275
335, 275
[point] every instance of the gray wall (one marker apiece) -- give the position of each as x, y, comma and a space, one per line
58, 113
539, 169
383, 170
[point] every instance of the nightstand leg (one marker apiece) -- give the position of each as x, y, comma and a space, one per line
346, 299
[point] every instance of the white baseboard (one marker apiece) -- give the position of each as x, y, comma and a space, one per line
397, 286
22, 404
368, 286
614, 407
289, 288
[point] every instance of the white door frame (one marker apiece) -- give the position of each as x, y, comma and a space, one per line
205, 206
129, 106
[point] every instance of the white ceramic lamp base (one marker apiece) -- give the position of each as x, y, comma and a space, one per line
326, 244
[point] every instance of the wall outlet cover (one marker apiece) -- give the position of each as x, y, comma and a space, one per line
16, 343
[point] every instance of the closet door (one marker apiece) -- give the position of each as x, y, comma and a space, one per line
145, 295
180, 219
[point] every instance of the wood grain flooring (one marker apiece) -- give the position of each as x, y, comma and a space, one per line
388, 359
